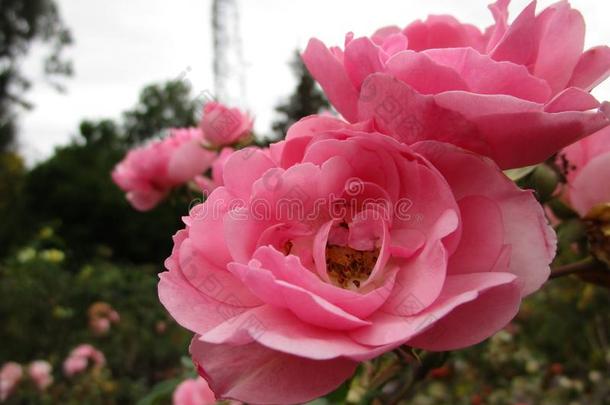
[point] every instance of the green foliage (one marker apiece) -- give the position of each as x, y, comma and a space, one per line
73, 190
160, 106
555, 352
37, 290
12, 174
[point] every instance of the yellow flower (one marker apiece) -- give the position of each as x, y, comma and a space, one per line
52, 255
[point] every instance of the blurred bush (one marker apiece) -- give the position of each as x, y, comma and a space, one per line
44, 308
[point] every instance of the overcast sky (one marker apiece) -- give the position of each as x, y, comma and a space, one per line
121, 46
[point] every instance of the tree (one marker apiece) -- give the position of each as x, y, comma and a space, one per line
12, 174
160, 106
22, 22
307, 99
74, 193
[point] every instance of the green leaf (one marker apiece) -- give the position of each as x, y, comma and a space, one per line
160, 392
340, 394
519, 173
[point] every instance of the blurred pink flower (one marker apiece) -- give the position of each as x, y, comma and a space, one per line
517, 92
114, 316
10, 375
587, 166
101, 316
100, 326
223, 126
81, 357
40, 371
381, 244
194, 392
206, 184
148, 173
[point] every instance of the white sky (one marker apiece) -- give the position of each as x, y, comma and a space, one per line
122, 45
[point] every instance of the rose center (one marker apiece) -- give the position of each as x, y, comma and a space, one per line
348, 268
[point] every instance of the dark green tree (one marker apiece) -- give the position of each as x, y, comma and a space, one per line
160, 106
12, 175
22, 22
307, 99
74, 193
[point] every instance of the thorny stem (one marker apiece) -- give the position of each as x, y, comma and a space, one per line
419, 371
584, 266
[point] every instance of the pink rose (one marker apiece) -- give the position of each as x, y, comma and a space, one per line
224, 126
340, 244
101, 317
206, 184
100, 326
81, 357
194, 392
148, 173
10, 375
74, 365
587, 165
517, 93
40, 372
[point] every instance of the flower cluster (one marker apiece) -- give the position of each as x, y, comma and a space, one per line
82, 357
391, 225
40, 372
511, 92
148, 173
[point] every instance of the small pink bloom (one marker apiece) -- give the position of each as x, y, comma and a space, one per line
509, 92
10, 375
74, 365
101, 316
194, 392
81, 357
587, 164
148, 173
100, 326
224, 126
340, 244
40, 372
114, 316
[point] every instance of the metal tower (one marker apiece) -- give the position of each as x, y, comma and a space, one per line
229, 79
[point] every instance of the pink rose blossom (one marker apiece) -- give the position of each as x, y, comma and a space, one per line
224, 126
206, 184
517, 92
81, 357
100, 326
10, 375
194, 392
40, 372
339, 244
148, 173
587, 165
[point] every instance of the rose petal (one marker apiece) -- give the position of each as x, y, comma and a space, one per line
330, 73
255, 374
